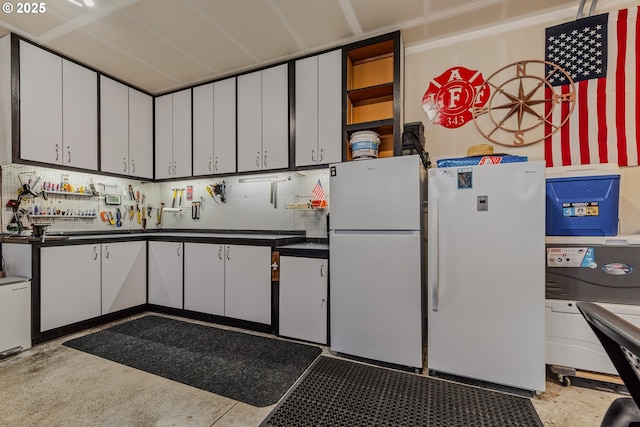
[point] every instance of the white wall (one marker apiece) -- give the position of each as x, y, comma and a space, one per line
487, 51
248, 205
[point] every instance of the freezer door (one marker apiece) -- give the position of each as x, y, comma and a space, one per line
486, 279
376, 194
376, 297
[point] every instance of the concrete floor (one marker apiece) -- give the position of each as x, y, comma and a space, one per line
55, 386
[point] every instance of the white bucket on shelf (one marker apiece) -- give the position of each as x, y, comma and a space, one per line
364, 145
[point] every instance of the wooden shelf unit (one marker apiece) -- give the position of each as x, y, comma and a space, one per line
373, 92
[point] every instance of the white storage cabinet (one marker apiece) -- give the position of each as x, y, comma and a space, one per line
70, 288
165, 274
247, 276
173, 135
124, 275
303, 298
126, 130
263, 119
214, 128
319, 109
204, 278
58, 110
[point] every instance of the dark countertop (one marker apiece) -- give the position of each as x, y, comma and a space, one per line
305, 249
261, 238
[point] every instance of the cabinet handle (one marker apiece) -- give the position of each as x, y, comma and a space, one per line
69, 154
174, 168
265, 158
313, 155
133, 166
257, 159
57, 152
228, 252
209, 165
178, 250
95, 253
106, 255
321, 154
216, 164
220, 252
321, 270
169, 169
124, 162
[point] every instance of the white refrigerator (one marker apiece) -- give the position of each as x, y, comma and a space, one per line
486, 273
376, 240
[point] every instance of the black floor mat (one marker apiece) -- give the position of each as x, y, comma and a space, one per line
341, 393
252, 369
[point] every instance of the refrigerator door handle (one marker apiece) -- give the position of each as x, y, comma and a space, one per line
435, 295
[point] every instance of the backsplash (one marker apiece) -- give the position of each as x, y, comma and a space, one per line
253, 202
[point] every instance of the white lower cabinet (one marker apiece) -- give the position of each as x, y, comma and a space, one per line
69, 285
303, 298
247, 275
204, 278
124, 275
165, 274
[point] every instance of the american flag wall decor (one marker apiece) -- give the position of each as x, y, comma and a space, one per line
600, 54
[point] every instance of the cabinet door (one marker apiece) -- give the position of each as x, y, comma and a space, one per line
124, 275
307, 111
114, 126
330, 107
275, 117
40, 105
164, 136
204, 278
247, 274
224, 121
250, 122
182, 133
140, 134
203, 130
79, 116
65, 297
165, 274
303, 298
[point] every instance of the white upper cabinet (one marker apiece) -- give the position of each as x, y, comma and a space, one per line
126, 130
318, 92
140, 134
224, 126
263, 119
173, 135
79, 116
214, 128
114, 126
58, 110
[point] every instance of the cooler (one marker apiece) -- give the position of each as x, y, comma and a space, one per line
15, 315
582, 200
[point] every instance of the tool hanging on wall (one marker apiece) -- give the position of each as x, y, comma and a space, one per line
218, 189
159, 214
175, 194
195, 210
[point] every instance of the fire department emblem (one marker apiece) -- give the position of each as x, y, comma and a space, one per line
452, 95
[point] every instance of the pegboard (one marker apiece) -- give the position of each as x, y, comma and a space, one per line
249, 202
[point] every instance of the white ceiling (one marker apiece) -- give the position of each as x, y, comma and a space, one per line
162, 45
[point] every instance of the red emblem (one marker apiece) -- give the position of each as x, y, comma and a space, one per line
451, 96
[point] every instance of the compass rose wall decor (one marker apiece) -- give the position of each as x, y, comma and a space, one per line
520, 110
